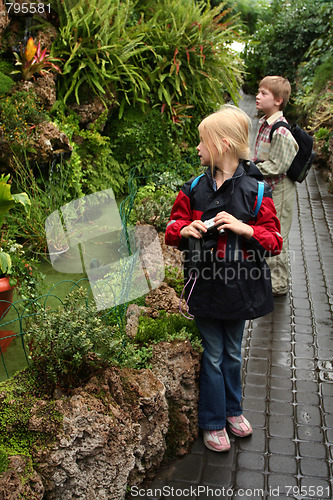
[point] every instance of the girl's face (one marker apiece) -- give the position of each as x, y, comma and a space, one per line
204, 153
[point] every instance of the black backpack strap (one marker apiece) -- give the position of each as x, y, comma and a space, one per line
276, 126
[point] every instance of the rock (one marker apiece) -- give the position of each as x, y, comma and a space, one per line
51, 144
171, 255
4, 19
133, 314
90, 110
12, 485
164, 297
46, 37
100, 449
45, 88
115, 430
177, 365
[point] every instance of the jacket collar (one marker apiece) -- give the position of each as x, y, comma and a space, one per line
240, 170
273, 118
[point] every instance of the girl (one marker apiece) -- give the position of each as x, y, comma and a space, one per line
224, 267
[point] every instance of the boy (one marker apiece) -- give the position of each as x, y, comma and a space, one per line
273, 160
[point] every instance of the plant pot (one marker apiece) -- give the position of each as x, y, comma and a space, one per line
6, 298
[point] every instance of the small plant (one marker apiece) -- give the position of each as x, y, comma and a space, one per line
169, 328
66, 345
22, 397
23, 272
35, 60
174, 278
322, 134
8, 201
19, 115
153, 206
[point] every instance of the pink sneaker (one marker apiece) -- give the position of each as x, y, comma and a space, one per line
217, 440
240, 426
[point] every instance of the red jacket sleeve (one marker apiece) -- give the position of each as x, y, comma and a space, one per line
181, 216
266, 237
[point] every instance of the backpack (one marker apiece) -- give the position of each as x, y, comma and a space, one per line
302, 162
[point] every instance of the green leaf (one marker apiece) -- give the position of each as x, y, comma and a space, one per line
5, 262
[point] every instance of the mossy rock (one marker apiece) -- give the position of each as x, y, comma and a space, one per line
29, 418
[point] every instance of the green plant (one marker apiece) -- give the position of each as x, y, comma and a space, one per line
24, 397
174, 278
93, 157
189, 64
20, 112
169, 328
146, 141
7, 202
46, 196
98, 51
34, 60
67, 344
284, 33
322, 134
4, 462
6, 83
23, 272
153, 206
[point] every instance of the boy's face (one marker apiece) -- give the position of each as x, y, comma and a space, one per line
266, 101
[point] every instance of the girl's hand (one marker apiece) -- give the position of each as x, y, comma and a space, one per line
193, 229
224, 220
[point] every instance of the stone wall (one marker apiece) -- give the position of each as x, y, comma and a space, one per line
115, 432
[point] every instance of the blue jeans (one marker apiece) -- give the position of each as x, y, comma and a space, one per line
220, 374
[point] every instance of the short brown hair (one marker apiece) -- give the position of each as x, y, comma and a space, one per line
279, 86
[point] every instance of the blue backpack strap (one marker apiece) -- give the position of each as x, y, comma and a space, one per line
261, 187
195, 181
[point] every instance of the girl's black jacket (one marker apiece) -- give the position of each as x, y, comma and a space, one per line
232, 279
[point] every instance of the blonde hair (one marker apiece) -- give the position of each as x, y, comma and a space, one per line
229, 123
279, 86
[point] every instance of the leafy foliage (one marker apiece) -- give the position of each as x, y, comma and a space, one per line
97, 49
4, 462
23, 272
34, 60
174, 278
167, 328
20, 112
67, 343
315, 74
188, 64
249, 11
46, 195
153, 206
93, 157
284, 33
145, 140
172, 55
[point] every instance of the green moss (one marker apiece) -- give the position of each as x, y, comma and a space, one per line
3, 460
6, 67
169, 328
175, 435
6, 83
21, 399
